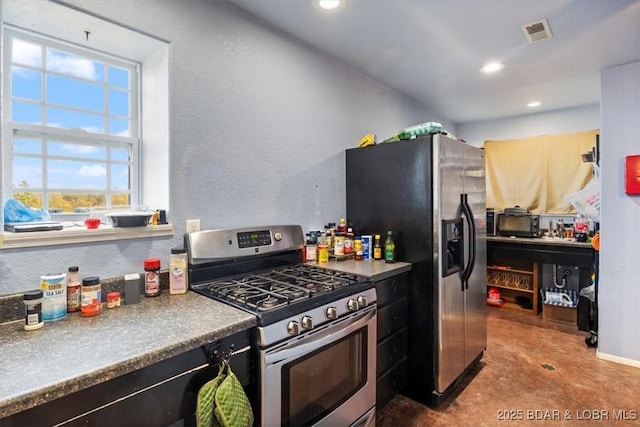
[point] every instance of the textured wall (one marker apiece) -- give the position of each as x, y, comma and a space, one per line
258, 127
619, 290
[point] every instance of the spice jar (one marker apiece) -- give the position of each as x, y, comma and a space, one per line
33, 310
178, 271
91, 296
73, 290
113, 299
151, 277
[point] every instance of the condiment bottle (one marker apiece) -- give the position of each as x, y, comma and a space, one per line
178, 271
377, 248
311, 250
357, 248
152, 277
389, 248
348, 242
73, 290
91, 296
342, 226
33, 310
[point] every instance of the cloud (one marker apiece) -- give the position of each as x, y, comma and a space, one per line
72, 65
94, 170
26, 53
80, 149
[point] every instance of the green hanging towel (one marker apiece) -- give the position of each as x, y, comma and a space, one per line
204, 405
231, 406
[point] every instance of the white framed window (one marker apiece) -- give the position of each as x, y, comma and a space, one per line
71, 123
115, 138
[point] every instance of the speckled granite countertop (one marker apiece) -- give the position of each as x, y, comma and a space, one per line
377, 270
77, 352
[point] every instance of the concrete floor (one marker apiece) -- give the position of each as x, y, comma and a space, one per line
534, 372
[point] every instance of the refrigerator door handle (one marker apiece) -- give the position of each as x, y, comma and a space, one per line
468, 214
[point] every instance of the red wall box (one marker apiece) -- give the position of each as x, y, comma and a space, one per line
632, 175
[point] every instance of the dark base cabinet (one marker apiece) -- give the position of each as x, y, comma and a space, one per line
391, 364
161, 394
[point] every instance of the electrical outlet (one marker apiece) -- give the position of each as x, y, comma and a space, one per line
193, 225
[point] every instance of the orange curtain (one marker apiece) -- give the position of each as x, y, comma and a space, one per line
537, 173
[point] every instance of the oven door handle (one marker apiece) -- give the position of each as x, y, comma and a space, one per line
331, 333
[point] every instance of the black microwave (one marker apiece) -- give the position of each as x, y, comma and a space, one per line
518, 224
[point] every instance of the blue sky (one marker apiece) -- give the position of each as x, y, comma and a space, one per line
86, 95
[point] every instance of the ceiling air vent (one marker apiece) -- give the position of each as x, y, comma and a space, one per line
537, 31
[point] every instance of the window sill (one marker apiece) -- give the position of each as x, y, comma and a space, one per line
74, 235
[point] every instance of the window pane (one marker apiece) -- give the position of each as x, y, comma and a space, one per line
120, 177
26, 83
69, 149
29, 198
67, 119
26, 53
75, 202
27, 145
119, 102
119, 77
26, 113
27, 172
75, 93
120, 199
77, 175
120, 154
119, 127
73, 65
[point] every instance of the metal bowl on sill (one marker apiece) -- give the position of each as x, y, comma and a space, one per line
129, 218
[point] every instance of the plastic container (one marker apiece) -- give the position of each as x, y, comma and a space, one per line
33, 310
91, 296
178, 271
54, 289
152, 277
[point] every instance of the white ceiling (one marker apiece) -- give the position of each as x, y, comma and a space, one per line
432, 50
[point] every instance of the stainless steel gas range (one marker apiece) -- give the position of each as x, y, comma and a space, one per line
316, 334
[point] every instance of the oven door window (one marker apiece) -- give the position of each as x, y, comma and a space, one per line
316, 384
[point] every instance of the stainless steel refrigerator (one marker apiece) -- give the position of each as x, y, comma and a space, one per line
430, 191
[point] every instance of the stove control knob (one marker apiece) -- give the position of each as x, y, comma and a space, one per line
362, 301
332, 313
293, 328
352, 305
307, 322
278, 236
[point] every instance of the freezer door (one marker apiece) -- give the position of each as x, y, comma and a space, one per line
475, 293
449, 316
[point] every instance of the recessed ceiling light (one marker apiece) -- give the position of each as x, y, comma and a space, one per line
534, 104
492, 67
329, 4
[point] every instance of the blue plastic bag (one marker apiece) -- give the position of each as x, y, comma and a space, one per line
14, 211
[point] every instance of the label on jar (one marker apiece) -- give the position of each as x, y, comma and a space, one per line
312, 253
33, 314
177, 280
73, 297
91, 300
151, 283
338, 248
323, 254
54, 290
